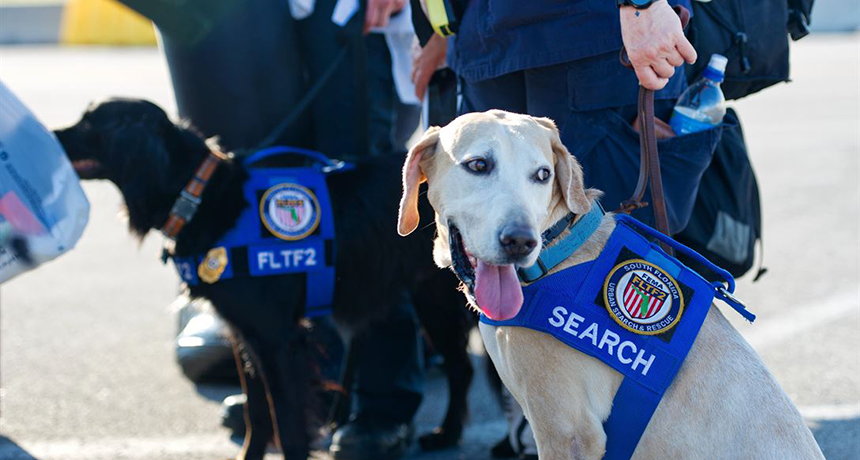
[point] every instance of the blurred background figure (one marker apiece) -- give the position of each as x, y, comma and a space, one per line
331, 76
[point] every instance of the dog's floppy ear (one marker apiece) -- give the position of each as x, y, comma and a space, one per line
407, 219
568, 172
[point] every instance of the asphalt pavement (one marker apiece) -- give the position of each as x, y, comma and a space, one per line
87, 365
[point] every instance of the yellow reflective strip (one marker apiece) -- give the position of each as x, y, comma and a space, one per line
438, 17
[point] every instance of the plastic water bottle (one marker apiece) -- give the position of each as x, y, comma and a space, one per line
702, 106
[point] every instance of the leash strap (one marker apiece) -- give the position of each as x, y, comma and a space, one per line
189, 199
303, 104
649, 158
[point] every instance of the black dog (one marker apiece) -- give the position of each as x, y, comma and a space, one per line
133, 144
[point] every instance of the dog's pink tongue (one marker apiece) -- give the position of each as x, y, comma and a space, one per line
498, 291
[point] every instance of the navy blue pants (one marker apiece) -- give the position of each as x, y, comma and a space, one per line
389, 369
594, 116
338, 110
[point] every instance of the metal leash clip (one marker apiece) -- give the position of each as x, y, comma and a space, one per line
733, 302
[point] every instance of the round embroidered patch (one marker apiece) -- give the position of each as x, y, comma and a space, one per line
291, 212
642, 298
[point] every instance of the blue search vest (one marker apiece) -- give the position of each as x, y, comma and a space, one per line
635, 308
288, 228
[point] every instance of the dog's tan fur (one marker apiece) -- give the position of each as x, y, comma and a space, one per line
723, 404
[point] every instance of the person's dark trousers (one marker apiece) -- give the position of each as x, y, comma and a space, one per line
389, 379
335, 114
389, 362
388, 355
594, 117
249, 73
240, 81
389, 376
391, 121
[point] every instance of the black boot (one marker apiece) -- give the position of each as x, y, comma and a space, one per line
365, 438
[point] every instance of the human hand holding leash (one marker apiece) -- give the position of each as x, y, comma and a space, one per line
655, 43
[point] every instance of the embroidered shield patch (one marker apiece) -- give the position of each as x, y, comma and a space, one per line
213, 265
642, 298
291, 212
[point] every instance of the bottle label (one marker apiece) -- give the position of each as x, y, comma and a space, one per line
683, 124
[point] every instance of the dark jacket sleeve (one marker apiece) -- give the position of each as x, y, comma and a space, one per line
422, 26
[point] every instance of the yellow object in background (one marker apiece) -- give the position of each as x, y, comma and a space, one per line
104, 22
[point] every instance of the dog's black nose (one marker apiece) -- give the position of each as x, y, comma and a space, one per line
517, 241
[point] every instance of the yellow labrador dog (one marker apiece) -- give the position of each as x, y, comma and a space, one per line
497, 180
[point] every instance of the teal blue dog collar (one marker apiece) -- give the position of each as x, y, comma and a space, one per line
553, 255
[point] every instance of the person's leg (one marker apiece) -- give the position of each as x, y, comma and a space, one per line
332, 110
606, 165
389, 368
240, 81
381, 96
389, 384
405, 124
390, 122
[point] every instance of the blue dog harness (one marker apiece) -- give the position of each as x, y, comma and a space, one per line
635, 308
289, 228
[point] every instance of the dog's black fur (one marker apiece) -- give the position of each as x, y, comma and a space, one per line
134, 144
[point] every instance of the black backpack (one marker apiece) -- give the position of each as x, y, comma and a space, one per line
726, 223
753, 34
726, 220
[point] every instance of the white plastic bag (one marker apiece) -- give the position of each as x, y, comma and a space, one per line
43, 210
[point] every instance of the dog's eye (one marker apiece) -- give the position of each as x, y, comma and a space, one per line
479, 166
542, 175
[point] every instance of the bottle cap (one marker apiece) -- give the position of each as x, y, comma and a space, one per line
718, 63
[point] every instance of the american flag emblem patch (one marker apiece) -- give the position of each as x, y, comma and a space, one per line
289, 211
642, 297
